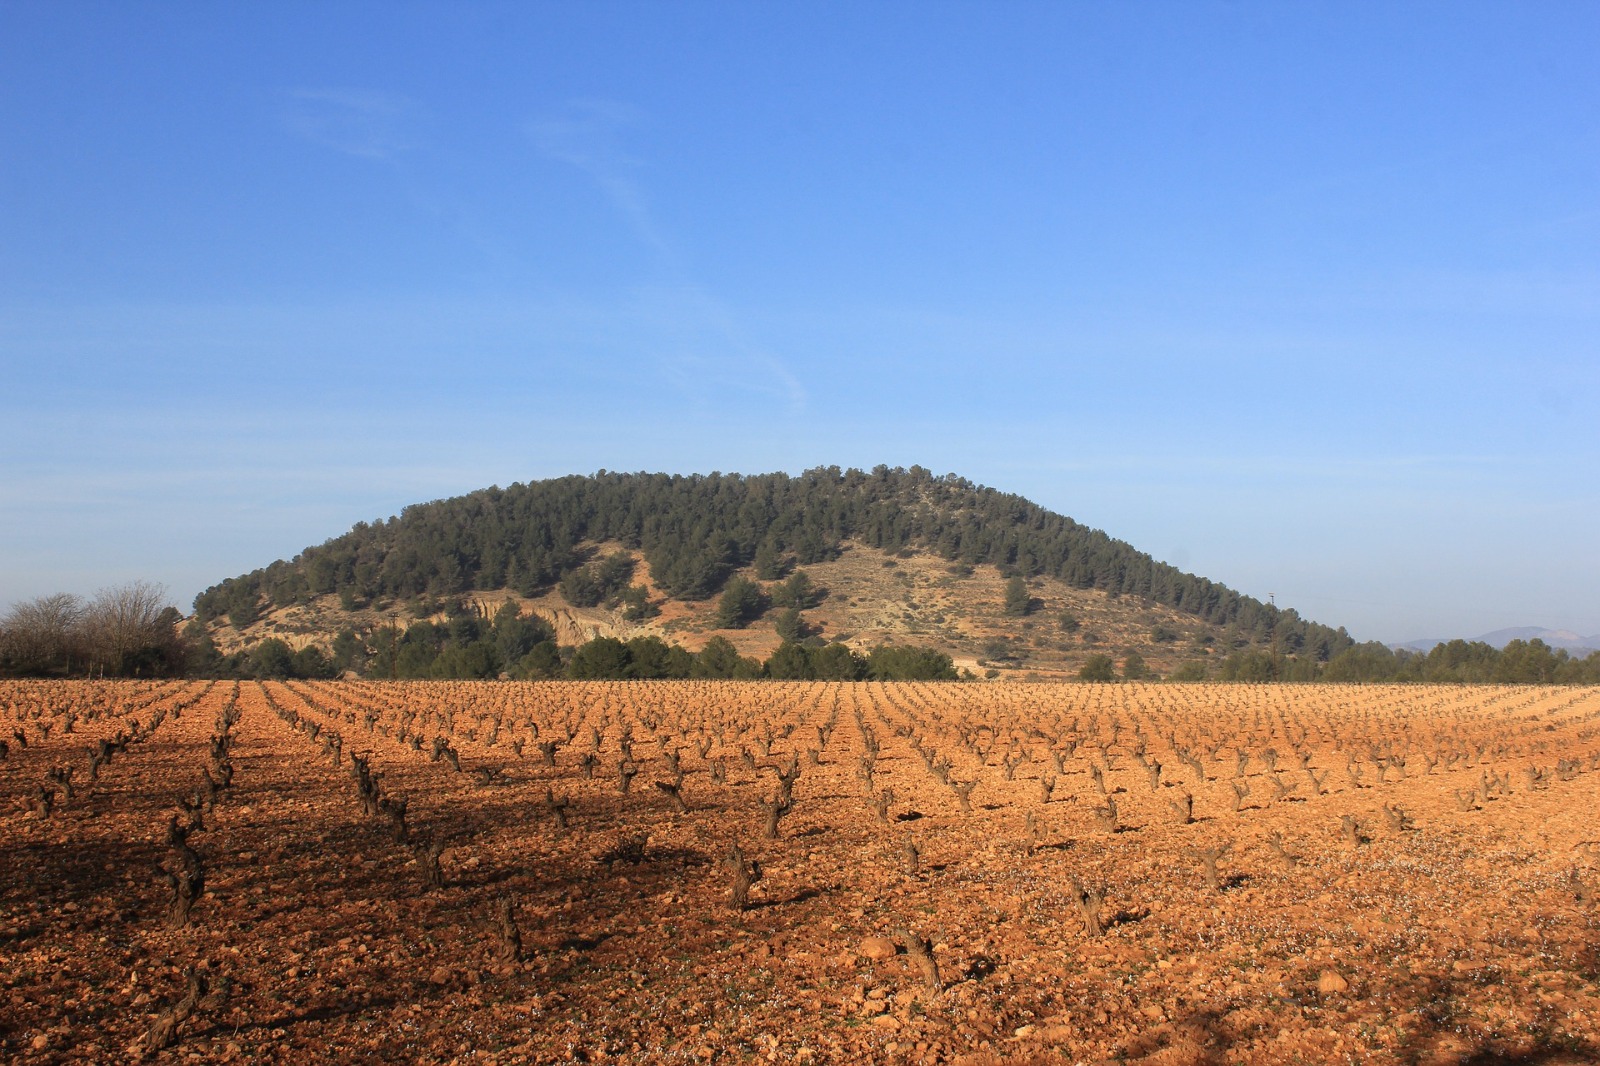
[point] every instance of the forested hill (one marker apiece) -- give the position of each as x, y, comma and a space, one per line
696, 531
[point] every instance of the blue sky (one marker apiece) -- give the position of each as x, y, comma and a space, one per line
1301, 297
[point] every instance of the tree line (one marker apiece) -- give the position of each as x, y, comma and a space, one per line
1520, 662
127, 630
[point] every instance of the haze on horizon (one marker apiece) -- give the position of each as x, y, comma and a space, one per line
1301, 298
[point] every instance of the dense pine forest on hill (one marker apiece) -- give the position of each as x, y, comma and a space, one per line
697, 530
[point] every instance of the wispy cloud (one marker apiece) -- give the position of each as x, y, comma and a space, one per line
589, 135
358, 122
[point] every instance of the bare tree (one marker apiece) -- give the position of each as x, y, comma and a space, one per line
130, 628
43, 635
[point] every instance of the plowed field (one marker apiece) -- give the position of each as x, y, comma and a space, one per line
938, 873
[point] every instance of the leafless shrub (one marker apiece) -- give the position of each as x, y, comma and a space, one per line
1241, 789
627, 770
428, 852
1030, 833
911, 859
99, 756
368, 789
787, 776
1208, 863
193, 808
674, 793
1089, 902
508, 938
1466, 799
187, 880
920, 952
557, 807
1105, 818
393, 811
881, 804
41, 801
1188, 759
208, 791
1350, 829
62, 775
163, 1032
775, 808
1182, 809
745, 873
1398, 820
632, 849
1009, 766
1275, 842
1047, 787
963, 791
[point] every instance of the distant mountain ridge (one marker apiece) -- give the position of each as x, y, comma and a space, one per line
1575, 643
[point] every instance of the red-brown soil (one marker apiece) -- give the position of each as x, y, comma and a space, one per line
1464, 932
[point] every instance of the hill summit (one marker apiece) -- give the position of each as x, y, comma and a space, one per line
887, 556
